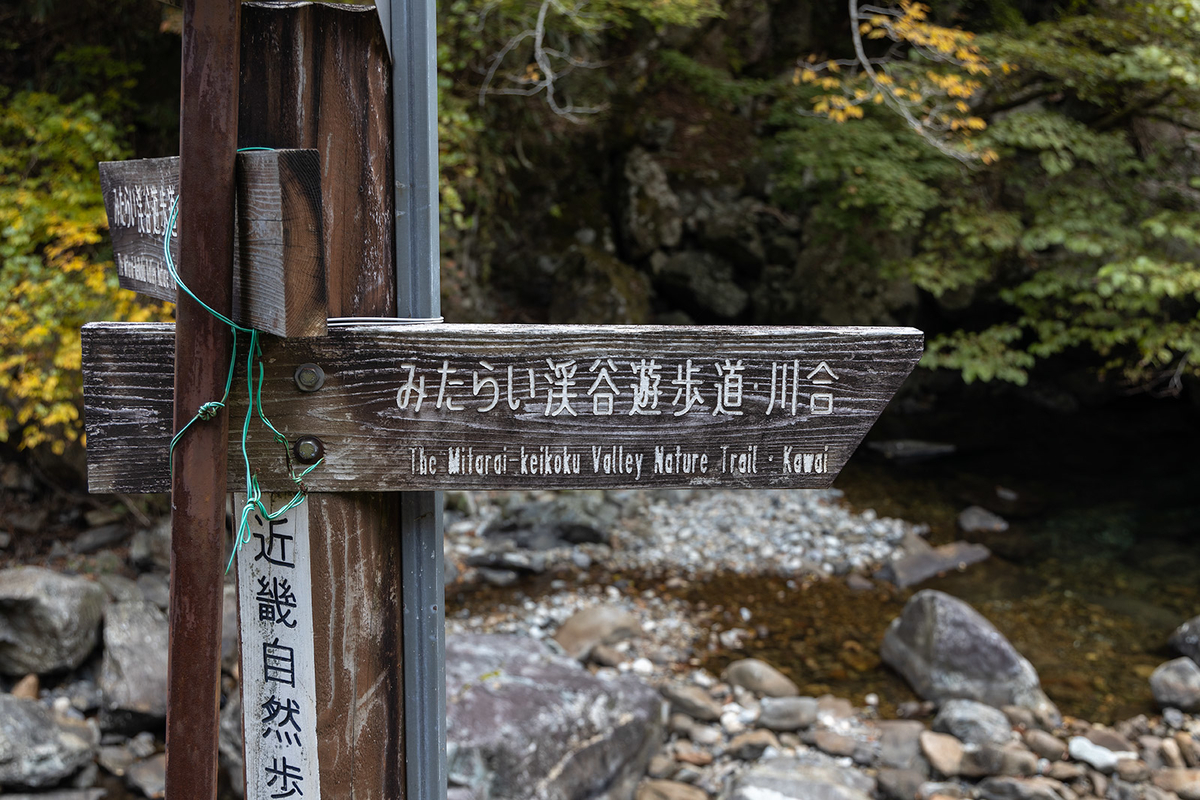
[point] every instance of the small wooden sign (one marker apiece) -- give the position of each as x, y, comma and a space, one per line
279, 689
278, 223
520, 407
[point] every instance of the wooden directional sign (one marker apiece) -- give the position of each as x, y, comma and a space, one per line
521, 407
278, 225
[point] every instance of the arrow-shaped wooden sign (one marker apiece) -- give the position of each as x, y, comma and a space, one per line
517, 407
278, 223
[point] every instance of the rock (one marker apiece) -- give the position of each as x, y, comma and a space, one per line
1133, 770
570, 518
760, 678
700, 283
119, 588
704, 735
732, 233
833, 743
1110, 740
669, 790
973, 722
650, 217
116, 759
229, 629
593, 287
498, 577
540, 725
1021, 717
150, 548
133, 674
596, 626
98, 538
1038, 788
48, 622
1065, 770
1016, 760
606, 656
945, 649
26, 688
1098, 757
900, 745
787, 713
1188, 748
1186, 639
688, 753
976, 519
149, 776
914, 568
662, 766
944, 752
28, 521
692, 701
751, 745
1183, 782
830, 709
1172, 756
229, 742
155, 589
1046, 745
899, 784
784, 778
36, 748
1177, 683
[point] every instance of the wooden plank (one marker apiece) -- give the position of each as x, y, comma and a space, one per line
451, 406
317, 76
279, 222
278, 663
330, 93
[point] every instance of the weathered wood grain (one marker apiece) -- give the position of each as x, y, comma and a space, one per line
317, 75
279, 223
375, 438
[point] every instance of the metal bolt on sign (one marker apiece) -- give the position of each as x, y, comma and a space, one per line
309, 377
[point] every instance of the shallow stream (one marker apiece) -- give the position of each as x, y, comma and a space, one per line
1100, 563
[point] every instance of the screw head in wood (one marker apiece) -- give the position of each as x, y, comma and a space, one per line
309, 377
308, 449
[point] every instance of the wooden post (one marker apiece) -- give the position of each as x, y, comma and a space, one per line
318, 76
208, 141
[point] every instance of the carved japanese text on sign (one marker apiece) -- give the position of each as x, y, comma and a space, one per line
279, 706
474, 406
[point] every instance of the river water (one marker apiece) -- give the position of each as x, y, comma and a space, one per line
1101, 561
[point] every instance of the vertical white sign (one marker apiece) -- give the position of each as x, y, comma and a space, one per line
279, 690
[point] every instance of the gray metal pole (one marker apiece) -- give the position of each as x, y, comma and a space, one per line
411, 27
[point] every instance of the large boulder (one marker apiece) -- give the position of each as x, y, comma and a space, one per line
700, 284
945, 649
1176, 684
36, 748
133, 674
808, 778
48, 622
1186, 639
592, 287
523, 722
650, 216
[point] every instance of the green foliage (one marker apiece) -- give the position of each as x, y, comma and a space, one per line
53, 276
1087, 230
874, 169
716, 86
